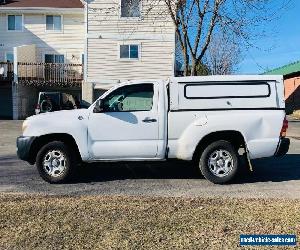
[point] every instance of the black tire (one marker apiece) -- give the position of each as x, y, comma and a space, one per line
69, 162
46, 106
207, 168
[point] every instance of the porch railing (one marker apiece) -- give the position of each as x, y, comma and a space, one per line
60, 74
6, 71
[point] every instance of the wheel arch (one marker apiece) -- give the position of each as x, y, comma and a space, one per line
233, 136
40, 141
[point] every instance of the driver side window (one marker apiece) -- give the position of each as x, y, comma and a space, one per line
130, 98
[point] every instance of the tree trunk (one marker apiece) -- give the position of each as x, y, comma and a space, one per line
185, 63
193, 67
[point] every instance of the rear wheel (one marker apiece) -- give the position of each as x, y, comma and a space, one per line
219, 162
55, 162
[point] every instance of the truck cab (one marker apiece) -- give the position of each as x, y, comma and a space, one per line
129, 122
207, 120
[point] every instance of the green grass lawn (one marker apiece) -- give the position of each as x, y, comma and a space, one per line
28, 222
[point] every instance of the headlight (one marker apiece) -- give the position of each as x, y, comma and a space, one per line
24, 126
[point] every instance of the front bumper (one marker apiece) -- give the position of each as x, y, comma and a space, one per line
283, 147
23, 148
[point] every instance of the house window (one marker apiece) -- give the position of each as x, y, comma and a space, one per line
51, 58
130, 8
129, 51
9, 57
53, 23
14, 22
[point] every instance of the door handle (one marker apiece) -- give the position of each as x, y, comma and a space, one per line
148, 120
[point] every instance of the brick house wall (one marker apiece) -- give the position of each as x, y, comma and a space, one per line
292, 92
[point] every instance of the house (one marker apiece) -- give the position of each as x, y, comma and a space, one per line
291, 76
126, 40
82, 47
41, 49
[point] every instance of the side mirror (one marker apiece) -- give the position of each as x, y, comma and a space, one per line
99, 107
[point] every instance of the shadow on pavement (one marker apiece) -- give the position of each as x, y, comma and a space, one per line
273, 169
286, 168
97, 172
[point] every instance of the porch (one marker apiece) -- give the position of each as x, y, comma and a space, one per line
42, 74
50, 74
21, 82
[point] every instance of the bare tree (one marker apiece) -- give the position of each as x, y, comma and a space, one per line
223, 55
196, 21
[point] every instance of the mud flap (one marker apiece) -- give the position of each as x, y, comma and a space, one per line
248, 159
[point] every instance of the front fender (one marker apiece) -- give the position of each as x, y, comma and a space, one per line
61, 122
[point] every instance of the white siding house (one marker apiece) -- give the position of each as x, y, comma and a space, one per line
114, 40
127, 42
33, 35
67, 41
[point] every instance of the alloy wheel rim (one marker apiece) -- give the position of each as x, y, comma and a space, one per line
220, 163
54, 163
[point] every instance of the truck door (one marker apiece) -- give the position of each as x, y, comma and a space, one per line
127, 127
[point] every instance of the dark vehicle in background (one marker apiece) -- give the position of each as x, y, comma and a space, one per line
55, 101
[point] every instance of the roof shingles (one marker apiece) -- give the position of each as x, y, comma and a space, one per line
285, 70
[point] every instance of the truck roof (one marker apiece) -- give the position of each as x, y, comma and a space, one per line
220, 78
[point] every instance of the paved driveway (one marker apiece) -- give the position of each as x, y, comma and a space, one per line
274, 177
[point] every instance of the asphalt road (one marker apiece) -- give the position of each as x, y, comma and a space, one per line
272, 178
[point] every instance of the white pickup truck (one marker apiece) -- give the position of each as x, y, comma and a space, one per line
209, 120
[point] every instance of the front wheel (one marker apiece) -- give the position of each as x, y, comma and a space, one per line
219, 162
55, 162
